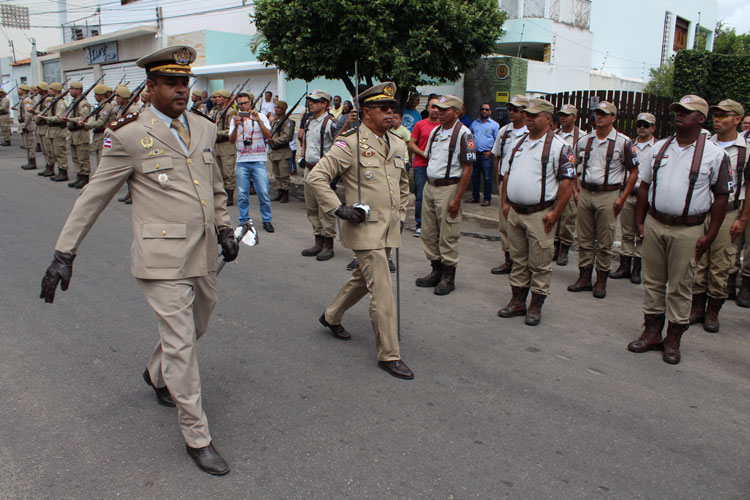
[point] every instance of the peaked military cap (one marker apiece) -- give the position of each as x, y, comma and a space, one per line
169, 61
197, 92
691, 102
23, 86
449, 101
378, 94
223, 93
568, 109
537, 106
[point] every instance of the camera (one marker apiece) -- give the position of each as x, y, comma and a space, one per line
247, 142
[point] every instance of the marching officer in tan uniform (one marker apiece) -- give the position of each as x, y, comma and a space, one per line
98, 121
197, 100
282, 134
630, 247
451, 156
42, 100
677, 183
80, 138
5, 120
317, 139
226, 152
58, 133
714, 268
539, 178
179, 216
376, 159
506, 137
605, 155
122, 95
565, 234
27, 125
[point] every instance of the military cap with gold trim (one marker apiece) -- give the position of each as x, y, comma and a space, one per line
56, 86
169, 61
382, 93
76, 85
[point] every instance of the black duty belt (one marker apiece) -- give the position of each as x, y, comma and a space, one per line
283, 146
4, 112
677, 220
222, 139
600, 187
530, 209
100, 130
444, 182
58, 125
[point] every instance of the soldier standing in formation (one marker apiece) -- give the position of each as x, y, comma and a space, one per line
27, 125
318, 137
451, 156
374, 159
282, 132
226, 152
5, 119
57, 132
565, 233
630, 248
538, 181
718, 262
176, 232
41, 101
605, 155
122, 95
198, 104
98, 121
506, 137
80, 146
677, 183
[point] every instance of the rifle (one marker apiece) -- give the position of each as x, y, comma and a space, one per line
260, 95
80, 98
100, 105
54, 101
133, 98
230, 101
36, 106
287, 115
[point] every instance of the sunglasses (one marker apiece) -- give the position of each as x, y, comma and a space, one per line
383, 107
722, 114
643, 125
485, 109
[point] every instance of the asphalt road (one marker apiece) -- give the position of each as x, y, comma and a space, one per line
497, 410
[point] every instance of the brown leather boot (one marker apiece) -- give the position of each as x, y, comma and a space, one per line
447, 281
49, 171
62, 175
230, 197
711, 320
600, 287
698, 308
623, 271
74, 181
650, 339
557, 250
315, 249
505, 268
732, 287
31, 165
82, 181
743, 297
534, 315
517, 304
562, 258
326, 251
672, 343
584, 280
432, 279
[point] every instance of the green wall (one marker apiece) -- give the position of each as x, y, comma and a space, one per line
225, 48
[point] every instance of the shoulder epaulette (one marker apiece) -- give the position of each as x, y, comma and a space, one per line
348, 132
130, 117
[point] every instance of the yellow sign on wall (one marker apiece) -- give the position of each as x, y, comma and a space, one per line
502, 96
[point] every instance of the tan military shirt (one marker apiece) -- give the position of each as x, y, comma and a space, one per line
624, 158
79, 136
525, 170
99, 120
738, 178
54, 120
223, 146
4, 107
571, 137
384, 181
280, 139
314, 148
506, 137
42, 126
179, 202
438, 151
642, 150
27, 120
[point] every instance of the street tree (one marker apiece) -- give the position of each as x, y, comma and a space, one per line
661, 80
409, 42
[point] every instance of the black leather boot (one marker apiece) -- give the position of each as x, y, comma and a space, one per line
315, 249
517, 304
650, 339
432, 279
624, 270
635, 274
447, 281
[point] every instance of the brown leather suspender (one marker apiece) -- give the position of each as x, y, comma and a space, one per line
451, 146
545, 159
694, 172
610, 155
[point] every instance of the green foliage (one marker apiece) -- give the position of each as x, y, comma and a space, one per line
661, 80
712, 76
727, 41
410, 42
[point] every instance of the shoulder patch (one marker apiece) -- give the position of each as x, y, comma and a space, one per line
130, 117
348, 132
341, 144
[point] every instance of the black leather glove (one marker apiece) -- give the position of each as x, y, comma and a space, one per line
61, 269
302, 163
229, 246
401, 227
351, 214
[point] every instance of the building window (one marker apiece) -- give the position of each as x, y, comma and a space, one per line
701, 38
681, 27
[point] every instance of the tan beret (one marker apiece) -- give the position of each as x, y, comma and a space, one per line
100, 89
282, 104
123, 91
42, 86
76, 85
56, 86
23, 86
222, 93
197, 92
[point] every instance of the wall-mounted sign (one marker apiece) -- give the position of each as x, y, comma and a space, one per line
502, 71
502, 96
102, 53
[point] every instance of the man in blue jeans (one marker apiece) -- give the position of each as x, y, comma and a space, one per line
485, 132
249, 131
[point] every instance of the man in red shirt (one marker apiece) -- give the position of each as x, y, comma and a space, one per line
417, 145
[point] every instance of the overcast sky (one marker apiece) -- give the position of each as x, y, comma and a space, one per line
735, 13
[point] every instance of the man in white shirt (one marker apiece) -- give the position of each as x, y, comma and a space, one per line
266, 107
249, 131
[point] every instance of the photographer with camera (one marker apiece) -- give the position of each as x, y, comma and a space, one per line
249, 131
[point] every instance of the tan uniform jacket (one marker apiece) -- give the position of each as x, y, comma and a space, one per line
27, 116
81, 135
279, 144
385, 187
179, 201
4, 108
42, 126
54, 120
223, 146
100, 118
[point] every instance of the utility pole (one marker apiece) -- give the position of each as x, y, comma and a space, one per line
12, 50
34, 62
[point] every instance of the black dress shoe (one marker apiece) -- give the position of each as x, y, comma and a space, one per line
352, 265
162, 393
397, 368
337, 331
208, 459
268, 227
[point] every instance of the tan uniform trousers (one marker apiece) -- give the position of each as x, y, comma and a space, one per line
502, 223
29, 145
631, 242
323, 224
566, 226
531, 250
227, 165
440, 231
371, 275
5, 124
60, 153
81, 156
743, 241
669, 269
716, 264
183, 308
280, 170
596, 221
47, 151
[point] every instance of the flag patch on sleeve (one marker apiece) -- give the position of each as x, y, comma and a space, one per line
341, 144
107, 143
